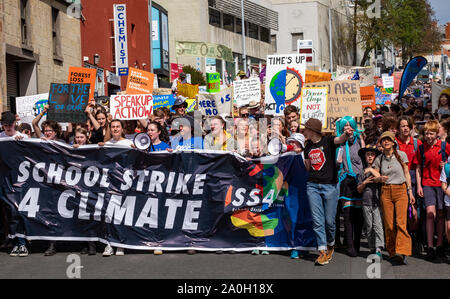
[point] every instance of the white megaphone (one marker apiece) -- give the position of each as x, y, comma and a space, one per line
142, 141
276, 147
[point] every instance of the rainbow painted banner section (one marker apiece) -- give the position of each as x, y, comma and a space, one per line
203, 200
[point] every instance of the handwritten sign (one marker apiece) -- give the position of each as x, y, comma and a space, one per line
67, 102
314, 104
140, 82
217, 103
129, 107
246, 91
366, 74
79, 75
313, 76
212, 82
30, 106
344, 99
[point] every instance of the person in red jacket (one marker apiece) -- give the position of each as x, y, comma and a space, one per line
431, 158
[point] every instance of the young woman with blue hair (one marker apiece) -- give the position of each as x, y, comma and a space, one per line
351, 167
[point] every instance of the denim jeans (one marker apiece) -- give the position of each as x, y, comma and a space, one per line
323, 200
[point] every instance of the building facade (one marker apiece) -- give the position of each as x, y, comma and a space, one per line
40, 42
219, 24
310, 20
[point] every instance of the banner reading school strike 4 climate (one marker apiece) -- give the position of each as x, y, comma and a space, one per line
171, 201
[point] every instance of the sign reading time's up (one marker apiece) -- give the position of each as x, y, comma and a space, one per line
121, 40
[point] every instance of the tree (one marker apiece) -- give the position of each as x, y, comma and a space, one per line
196, 76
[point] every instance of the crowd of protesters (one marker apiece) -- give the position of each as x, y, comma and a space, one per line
385, 177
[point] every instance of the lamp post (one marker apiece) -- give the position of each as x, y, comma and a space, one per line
244, 56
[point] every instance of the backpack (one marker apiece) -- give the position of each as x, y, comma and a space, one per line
447, 172
443, 153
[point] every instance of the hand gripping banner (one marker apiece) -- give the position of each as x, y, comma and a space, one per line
201, 200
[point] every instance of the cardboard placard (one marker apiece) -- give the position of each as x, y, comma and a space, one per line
366, 74
245, 91
140, 82
216, 104
163, 101
285, 77
314, 104
68, 102
344, 99
129, 107
79, 75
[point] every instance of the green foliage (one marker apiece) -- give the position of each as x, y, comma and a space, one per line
196, 76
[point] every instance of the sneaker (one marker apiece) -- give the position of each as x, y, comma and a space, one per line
255, 252
15, 251
23, 251
51, 249
84, 251
322, 259
219, 252
120, 252
378, 253
108, 251
92, 249
157, 252
294, 254
265, 252
191, 252
351, 252
431, 254
330, 252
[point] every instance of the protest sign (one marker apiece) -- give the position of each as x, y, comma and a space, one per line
314, 104
67, 102
436, 91
313, 76
366, 74
31, 106
344, 99
285, 77
187, 90
162, 91
397, 79
216, 104
416, 91
368, 97
212, 82
140, 82
246, 91
79, 75
128, 107
199, 49
166, 201
163, 101
381, 97
192, 105
388, 83
175, 71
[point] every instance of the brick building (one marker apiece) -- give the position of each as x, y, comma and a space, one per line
98, 44
41, 41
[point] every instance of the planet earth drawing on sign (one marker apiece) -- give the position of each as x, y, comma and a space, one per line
278, 90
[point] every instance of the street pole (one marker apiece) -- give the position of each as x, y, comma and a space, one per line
244, 56
150, 19
331, 39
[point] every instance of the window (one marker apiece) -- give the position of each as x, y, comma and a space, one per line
296, 37
56, 33
238, 26
214, 17
265, 34
23, 21
253, 30
273, 42
228, 22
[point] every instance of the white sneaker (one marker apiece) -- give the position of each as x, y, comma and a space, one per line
108, 251
120, 252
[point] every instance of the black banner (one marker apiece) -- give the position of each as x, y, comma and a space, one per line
132, 199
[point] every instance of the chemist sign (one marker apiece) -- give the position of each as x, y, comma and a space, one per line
121, 40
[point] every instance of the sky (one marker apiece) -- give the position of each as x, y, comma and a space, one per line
442, 10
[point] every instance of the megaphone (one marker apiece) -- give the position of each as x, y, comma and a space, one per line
276, 147
142, 141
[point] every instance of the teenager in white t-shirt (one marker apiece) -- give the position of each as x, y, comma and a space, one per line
117, 135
